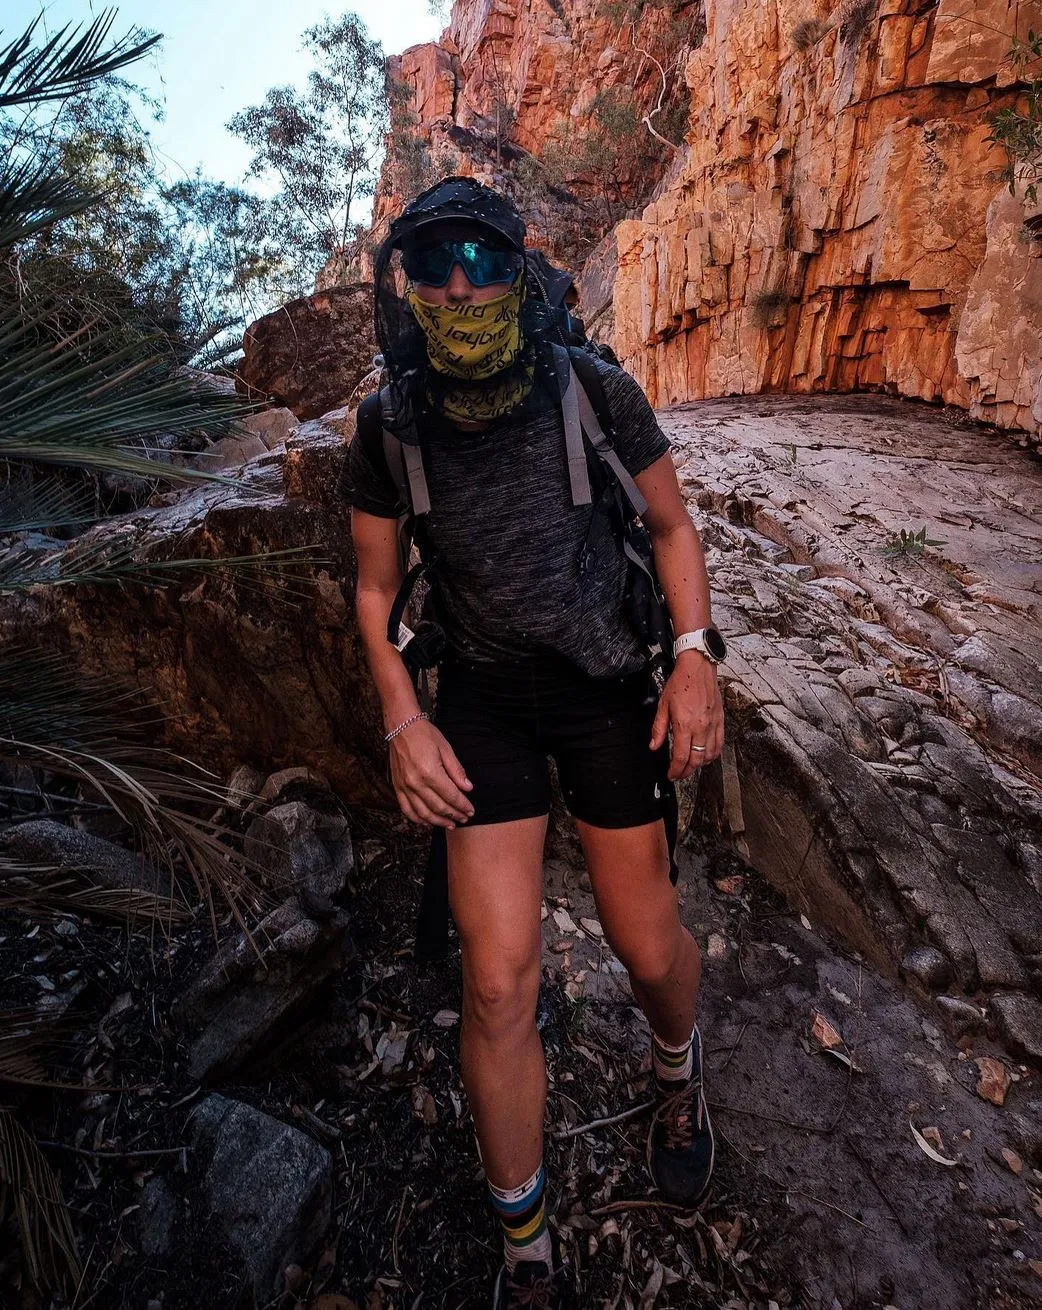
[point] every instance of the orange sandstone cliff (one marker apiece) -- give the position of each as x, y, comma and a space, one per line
835, 218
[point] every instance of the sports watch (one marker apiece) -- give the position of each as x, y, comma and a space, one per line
707, 641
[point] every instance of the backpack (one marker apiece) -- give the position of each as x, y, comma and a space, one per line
596, 476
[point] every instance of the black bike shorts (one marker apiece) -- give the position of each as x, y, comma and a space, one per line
505, 720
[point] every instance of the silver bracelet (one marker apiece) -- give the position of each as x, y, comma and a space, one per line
402, 726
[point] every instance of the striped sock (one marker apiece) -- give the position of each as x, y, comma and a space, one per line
672, 1064
522, 1214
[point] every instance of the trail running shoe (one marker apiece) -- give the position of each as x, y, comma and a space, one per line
680, 1143
534, 1285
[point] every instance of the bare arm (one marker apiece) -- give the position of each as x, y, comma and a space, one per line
690, 704
428, 778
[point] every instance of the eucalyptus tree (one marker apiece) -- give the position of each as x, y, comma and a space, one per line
319, 151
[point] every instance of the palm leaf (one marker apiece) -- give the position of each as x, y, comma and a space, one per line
25, 567
62, 403
67, 61
33, 196
54, 719
42, 889
48, 1242
42, 504
33, 1041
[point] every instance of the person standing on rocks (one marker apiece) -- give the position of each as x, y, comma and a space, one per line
471, 445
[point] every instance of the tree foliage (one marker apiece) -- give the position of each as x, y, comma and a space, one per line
1019, 130
180, 260
320, 149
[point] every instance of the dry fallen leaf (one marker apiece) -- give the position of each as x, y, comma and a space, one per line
824, 1033
933, 1135
445, 1018
1035, 1266
994, 1080
716, 947
729, 886
927, 1149
1013, 1161
592, 926
423, 1106
564, 921
652, 1287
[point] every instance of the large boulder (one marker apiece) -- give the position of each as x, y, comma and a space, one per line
265, 668
246, 998
268, 1189
310, 354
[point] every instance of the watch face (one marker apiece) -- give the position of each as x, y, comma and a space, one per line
715, 644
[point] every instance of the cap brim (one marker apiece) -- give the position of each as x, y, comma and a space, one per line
443, 220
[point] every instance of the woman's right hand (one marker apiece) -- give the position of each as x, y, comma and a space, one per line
428, 779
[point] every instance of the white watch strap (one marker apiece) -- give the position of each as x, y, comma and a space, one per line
689, 641
694, 641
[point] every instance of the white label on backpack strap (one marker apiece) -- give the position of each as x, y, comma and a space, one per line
405, 635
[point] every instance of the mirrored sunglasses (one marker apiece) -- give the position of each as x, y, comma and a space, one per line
482, 265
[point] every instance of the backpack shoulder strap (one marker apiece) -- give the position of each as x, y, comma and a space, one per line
593, 409
578, 469
404, 461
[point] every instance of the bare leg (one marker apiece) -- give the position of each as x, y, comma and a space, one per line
495, 887
637, 904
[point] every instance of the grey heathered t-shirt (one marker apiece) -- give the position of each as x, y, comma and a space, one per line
507, 537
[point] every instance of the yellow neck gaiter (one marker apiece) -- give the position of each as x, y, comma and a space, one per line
473, 343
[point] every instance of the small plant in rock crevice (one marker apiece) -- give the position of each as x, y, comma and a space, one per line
855, 18
1020, 134
909, 542
808, 32
767, 307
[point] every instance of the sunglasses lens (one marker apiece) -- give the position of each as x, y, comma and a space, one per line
483, 266
430, 265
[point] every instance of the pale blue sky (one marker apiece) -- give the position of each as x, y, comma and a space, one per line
218, 56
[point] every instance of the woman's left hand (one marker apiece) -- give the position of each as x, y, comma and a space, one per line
690, 705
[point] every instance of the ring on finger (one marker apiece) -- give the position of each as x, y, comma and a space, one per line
701, 749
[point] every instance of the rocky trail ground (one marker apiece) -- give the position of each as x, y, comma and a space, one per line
277, 1119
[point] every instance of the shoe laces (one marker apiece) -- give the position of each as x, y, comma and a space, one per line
536, 1295
674, 1113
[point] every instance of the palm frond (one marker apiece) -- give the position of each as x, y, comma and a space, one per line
32, 1042
33, 196
54, 719
43, 700
26, 566
41, 504
48, 1242
67, 61
47, 890
79, 397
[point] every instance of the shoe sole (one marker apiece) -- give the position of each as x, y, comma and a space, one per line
704, 1193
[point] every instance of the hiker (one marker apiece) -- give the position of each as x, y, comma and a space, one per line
527, 473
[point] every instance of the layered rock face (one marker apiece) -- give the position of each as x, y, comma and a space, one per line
840, 221
509, 91
837, 219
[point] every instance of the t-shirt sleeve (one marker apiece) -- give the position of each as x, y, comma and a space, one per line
365, 482
638, 438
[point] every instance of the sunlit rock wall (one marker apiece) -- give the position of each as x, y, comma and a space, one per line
841, 221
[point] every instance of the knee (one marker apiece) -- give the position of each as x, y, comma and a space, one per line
499, 997
652, 960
